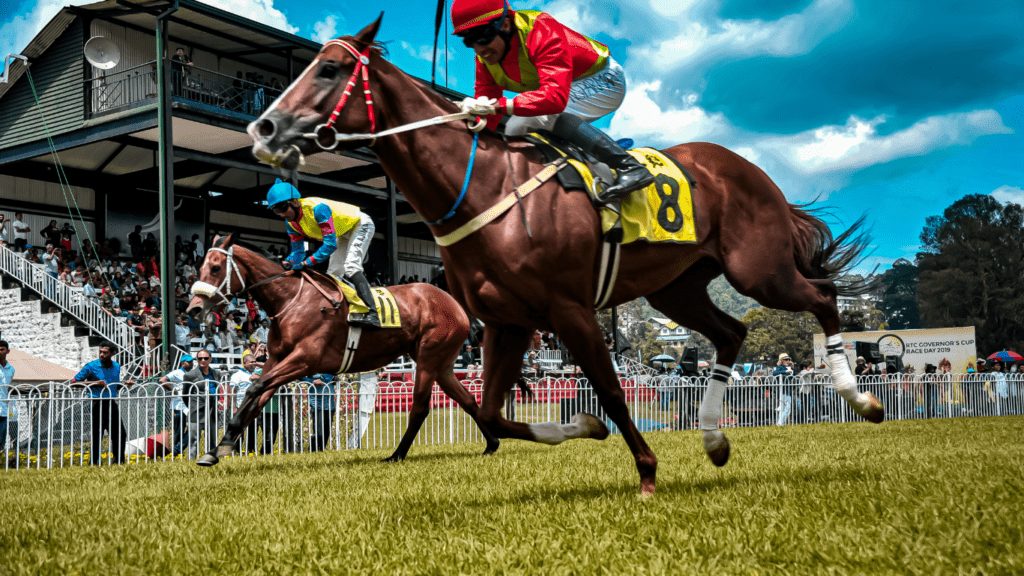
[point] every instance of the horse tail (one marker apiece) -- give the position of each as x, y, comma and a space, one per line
820, 256
524, 386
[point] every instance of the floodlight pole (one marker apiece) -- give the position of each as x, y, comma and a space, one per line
166, 170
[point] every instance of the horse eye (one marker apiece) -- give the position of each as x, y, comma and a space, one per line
328, 70
215, 269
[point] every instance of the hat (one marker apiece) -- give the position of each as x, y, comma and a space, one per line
784, 356
467, 14
860, 359
187, 358
282, 191
981, 361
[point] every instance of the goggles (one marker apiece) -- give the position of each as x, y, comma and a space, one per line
279, 208
483, 35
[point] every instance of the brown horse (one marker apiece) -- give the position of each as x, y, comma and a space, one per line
515, 280
308, 336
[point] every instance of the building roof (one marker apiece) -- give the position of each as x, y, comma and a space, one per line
31, 370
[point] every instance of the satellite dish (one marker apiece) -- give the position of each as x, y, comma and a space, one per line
102, 52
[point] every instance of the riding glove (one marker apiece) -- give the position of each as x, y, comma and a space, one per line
482, 106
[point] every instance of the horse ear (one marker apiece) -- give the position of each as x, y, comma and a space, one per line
231, 240
367, 35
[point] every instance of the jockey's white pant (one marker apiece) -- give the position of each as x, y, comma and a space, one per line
590, 98
352, 248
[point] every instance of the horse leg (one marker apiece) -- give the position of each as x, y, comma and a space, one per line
582, 335
503, 349
787, 289
456, 391
417, 414
686, 301
275, 376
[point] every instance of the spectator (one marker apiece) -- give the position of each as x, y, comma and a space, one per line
181, 68
321, 411
200, 386
154, 326
784, 372
8, 409
197, 249
1002, 389
260, 334
149, 247
806, 398
65, 238
929, 388
240, 381
102, 377
466, 358
21, 231
174, 383
3, 230
866, 369
135, 244
51, 234
182, 337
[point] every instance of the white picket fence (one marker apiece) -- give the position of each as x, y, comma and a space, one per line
52, 426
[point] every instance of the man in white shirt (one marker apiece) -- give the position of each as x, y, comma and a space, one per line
240, 381
173, 382
260, 334
199, 252
181, 333
21, 231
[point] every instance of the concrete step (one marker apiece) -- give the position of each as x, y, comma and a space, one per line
27, 328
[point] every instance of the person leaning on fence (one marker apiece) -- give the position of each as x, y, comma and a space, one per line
8, 409
806, 390
200, 387
322, 407
240, 381
102, 378
784, 372
173, 381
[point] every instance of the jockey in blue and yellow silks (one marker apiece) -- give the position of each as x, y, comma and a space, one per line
565, 81
333, 223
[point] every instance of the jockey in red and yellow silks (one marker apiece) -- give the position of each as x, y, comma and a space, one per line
564, 80
334, 224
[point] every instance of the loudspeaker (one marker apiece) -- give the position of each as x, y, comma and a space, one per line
893, 365
869, 350
102, 52
688, 363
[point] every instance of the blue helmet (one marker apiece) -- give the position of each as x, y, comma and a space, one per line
282, 191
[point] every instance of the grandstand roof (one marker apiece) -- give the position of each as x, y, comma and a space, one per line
31, 370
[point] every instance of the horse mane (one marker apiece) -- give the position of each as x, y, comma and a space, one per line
251, 248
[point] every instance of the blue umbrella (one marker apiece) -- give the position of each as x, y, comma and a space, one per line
1006, 356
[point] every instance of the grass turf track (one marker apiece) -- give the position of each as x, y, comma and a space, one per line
920, 497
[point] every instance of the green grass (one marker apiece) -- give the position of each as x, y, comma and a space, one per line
920, 497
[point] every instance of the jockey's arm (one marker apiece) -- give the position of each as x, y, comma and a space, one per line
298, 243
547, 52
324, 217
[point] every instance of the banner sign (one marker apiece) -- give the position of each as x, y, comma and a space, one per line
914, 347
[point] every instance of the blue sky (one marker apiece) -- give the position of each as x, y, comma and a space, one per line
889, 109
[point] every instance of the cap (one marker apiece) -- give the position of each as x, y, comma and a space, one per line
784, 356
468, 14
281, 191
187, 358
861, 359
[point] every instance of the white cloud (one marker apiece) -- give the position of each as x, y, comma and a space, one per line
857, 144
262, 11
1006, 194
325, 30
701, 43
641, 118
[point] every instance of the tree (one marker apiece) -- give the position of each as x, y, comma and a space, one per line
899, 296
729, 300
633, 323
972, 270
772, 332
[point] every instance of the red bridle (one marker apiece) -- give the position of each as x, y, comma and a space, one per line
362, 64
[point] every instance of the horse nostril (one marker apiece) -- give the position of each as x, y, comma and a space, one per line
265, 128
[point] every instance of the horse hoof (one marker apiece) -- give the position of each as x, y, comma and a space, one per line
870, 408
592, 425
717, 447
492, 447
396, 457
208, 460
647, 489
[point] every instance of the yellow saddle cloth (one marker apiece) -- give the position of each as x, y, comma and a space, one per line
662, 212
383, 301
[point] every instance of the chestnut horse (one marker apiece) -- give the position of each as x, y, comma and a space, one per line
308, 336
517, 278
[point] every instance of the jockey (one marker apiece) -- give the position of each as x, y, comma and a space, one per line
333, 223
564, 79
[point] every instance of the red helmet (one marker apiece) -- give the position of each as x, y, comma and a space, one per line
468, 14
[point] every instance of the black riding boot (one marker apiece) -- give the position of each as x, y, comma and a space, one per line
630, 175
366, 295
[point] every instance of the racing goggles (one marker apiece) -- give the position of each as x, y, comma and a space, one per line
279, 208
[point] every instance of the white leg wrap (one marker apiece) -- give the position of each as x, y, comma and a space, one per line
553, 433
711, 405
842, 377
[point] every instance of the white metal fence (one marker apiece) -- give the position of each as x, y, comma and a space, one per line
69, 299
53, 426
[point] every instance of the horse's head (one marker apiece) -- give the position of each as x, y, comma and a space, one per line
284, 132
219, 279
